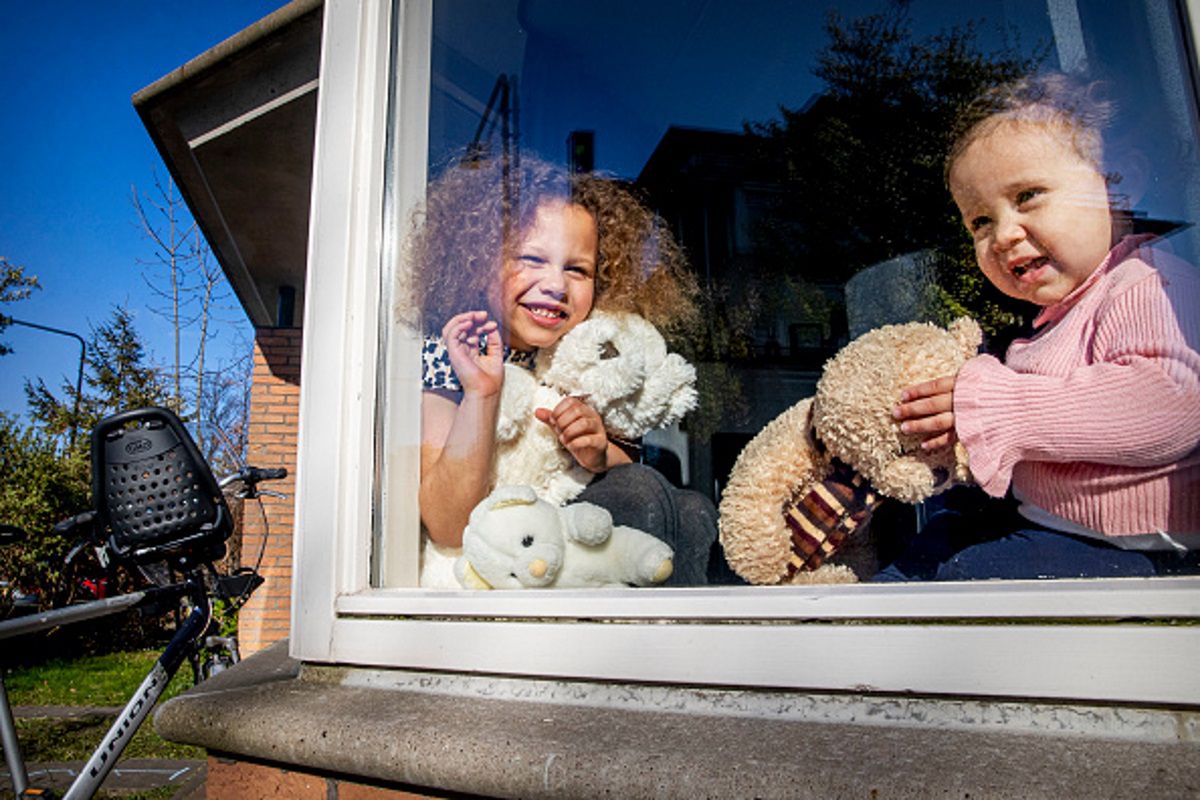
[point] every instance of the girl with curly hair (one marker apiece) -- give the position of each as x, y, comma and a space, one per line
508, 257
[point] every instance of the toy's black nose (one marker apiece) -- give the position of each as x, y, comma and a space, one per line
608, 350
940, 476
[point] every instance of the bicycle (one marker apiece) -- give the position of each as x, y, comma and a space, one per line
159, 511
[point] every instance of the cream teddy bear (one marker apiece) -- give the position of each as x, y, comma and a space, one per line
516, 540
811, 477
619, 365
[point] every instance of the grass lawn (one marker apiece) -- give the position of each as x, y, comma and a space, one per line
107, 680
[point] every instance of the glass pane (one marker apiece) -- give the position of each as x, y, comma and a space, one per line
795, 152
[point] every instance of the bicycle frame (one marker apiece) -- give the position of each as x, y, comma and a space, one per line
143, 700
138, 460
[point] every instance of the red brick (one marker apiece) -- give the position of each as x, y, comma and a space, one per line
272, 429
239, 780
347, 790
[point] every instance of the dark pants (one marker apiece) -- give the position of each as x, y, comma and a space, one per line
640, 497
991, 540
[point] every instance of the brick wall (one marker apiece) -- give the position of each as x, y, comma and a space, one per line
233, 779
274, 416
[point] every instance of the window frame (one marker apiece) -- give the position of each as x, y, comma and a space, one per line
1126, 640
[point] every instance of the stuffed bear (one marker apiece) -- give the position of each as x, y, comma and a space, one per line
619, 365
516, 540
809, 480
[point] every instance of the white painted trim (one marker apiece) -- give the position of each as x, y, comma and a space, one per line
1094, 599
1127, 640
1116, 663
398, 531
1054, 640
342, 318
254, 114
1193, 19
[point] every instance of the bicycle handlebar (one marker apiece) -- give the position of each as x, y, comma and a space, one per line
250, 477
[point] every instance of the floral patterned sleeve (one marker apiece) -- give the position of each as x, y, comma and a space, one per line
436, 372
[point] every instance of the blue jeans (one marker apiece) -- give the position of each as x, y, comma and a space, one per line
993, 541
640, 497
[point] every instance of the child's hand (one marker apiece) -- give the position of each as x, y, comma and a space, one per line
928, 408
479, 373
580, 430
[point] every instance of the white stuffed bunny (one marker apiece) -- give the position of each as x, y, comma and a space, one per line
515, 540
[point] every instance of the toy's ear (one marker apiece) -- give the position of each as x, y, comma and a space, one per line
670, 392
502, 497
967, 333
586, 523
505, 496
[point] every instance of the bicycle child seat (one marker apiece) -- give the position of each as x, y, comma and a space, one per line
154, 493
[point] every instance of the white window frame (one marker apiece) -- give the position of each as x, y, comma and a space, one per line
1127, 640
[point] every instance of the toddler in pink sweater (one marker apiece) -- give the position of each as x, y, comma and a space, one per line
1090, 426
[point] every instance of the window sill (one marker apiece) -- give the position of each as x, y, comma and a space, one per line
531, 738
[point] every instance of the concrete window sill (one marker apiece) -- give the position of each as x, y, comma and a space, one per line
537, 738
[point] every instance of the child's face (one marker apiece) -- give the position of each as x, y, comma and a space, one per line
548, 287
1038, 212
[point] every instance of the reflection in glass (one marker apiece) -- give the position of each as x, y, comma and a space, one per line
796, 152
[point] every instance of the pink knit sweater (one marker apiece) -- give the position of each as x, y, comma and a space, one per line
1096, 418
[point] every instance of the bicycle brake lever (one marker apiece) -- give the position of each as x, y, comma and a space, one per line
67, 527
246, 494
74, 552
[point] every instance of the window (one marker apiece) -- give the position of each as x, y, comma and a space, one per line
703, 108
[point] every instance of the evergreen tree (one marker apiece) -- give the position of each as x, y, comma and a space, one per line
41, 486
47, 477
862, 163
116, 378
15, 285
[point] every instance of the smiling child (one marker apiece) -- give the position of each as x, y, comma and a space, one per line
509, 257
1092, 424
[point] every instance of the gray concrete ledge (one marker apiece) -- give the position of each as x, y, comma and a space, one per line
529, 738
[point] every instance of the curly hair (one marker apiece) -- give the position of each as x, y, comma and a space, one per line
1077, 108
478, 210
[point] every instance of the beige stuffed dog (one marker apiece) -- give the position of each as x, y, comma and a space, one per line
838, 452
618, 364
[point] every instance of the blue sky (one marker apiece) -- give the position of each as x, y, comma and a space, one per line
71, 148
